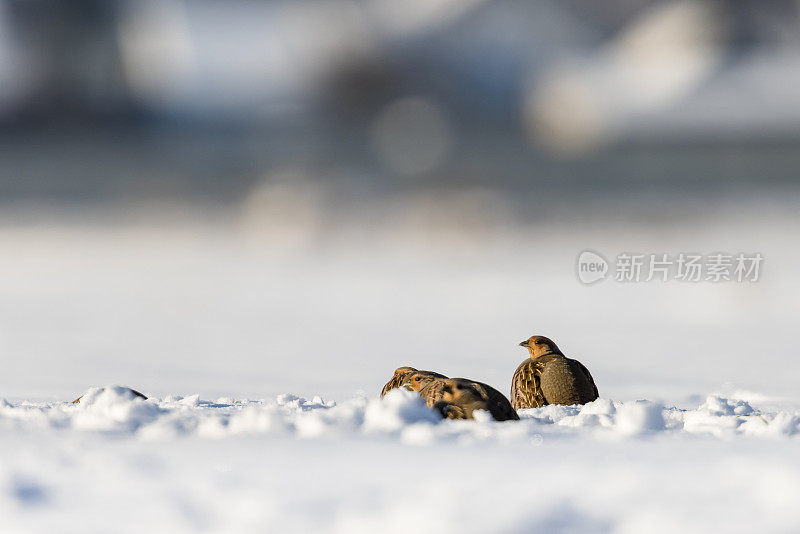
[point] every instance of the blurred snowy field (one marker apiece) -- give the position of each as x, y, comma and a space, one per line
229, 327
211, 306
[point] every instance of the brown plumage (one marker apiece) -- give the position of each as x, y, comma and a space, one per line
135, 393
430, 388
401, 374
549, 377
458, 398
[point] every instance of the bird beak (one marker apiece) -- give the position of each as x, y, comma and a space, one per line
524, 343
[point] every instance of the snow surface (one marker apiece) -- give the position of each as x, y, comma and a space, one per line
118, 463
401, 415
696, 430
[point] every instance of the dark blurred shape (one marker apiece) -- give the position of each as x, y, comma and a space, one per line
69, 53
204, 100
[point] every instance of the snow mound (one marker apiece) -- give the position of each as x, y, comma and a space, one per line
398, 409
717, 405
401, 415
640, 417
113, 408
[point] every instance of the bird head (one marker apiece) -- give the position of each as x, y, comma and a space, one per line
397, 379
539, 346
417, 381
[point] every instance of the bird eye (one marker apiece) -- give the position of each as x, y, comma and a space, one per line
417, 379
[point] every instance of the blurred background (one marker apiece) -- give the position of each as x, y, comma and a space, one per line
246, 198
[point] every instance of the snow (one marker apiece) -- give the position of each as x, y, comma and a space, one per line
401, 416
288, 464
263, 367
